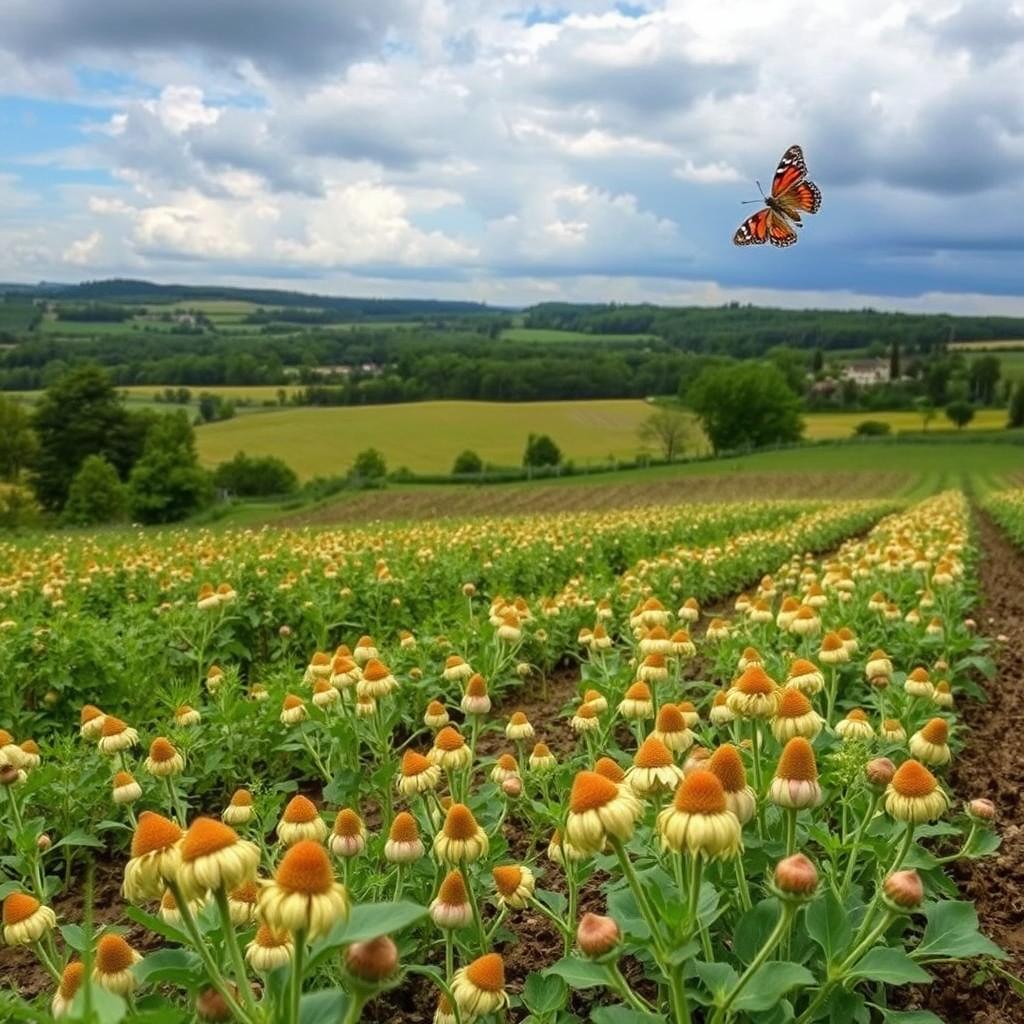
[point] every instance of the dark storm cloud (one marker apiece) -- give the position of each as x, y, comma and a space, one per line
291, 37
986, 28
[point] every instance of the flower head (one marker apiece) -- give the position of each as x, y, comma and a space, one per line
156, 855
163, 759
514, 884
112, 968
653, 770
698, 821
740, 798
754, 694
25, 919
930, 744
795, 785
304, 896
348, 837
479, 989
240, 810
301, 820
795, 716
269, 949
450, 751
403, 845
418, 774
214, 857
598, 808
451, 908
914, 796
461, 839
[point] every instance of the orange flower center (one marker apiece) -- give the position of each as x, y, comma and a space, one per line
936, 731
453, 890
727, 764
755, 680
305, 868
652, 754
320, 658
670, 719
591, 791
19, 906
300, 811
413, 764
720, 698
245, 893
269, 939
154, 832
919, 675
404, 828
638, 691
291, 702
609, 769
476, 687
113, 955
586, 711
801, 667
205, 836
541, 750
591, 695
797, 761
88, 713
71, 979
459, 822
700, 792
449, 739
856, 715
347, 823
487, 972
793, 704
892, 725
507, 763
517, 718
375, 670
241, 798
161, 750
113, 726
435, 709
913, 779
122, 779
507, 878
832, 642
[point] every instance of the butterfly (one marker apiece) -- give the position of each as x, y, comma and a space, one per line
791, 195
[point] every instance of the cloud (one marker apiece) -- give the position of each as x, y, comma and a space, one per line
82, 251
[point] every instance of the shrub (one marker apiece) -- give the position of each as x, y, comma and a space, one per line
872, 428
97, 494
255, 477
541, 451
369, 467
167, 483
467, 462
961, 413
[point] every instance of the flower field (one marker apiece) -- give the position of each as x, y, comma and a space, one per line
666, 763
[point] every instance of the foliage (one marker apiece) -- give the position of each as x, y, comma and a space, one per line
467, 462
745, 406
541, 451
961, 413
872, 428
1016, 411
369, 465
18, 443
167, 483
255, 476
668, 429
96, 496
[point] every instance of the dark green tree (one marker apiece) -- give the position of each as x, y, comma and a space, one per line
961, 413
467, 462
1017, 407
255, 477
18, 443
746, 406
541, 451
369, 464
80, 415
167, 483
895, 368
817, 361
983, 376
668, 429
96, 496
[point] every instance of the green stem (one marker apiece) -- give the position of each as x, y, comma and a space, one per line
477, 919
790, 830
234, 950
949, 858
574, 894
693, 894
449, 954
677, 996
618, 984
857, 839
175, 801
782, 926
566, 931
741, 885
46, 961
295, 990
638, 892
355, 1008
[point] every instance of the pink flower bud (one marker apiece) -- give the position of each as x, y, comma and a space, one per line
512, 788
880, 771
904, 889
982, 809
210, 1004
373, 960
796, 876
597, 935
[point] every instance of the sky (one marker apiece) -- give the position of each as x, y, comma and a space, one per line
485, 149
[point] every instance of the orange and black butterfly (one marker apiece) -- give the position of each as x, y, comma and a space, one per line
791, 195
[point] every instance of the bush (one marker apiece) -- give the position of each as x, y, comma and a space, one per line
872, 428
18, 510
255, 477
167, 483
96, 495
541, 451
961, 413
369, 466
467, 462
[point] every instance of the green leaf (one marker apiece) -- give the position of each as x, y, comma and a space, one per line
623, 1015
544, 994
579, 973
952, 931
107, 1008
909, 1016
754, 927
77, 838
718, 978
370, 921
325, 1007
157, 925
180, 966
891, 966
828, 924
770, 982
984, 844
74, 936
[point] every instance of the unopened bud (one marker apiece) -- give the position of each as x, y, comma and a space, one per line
8, 775
415, 672
211, 1005
372, 961
796, 876
44, 842
468, 589
879, 682
904, 890
523, 670
284, 632
597, 935
970, 624
981, 809
880, 771
512, 788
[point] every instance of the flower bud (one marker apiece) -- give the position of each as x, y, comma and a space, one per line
880, 771
8, 775
372, 961
903, 890
44, 842
597, 936
210, 1004
796, 876
981, 809
512, 788
284, 632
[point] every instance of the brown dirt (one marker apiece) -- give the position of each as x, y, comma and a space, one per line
518, 499
992, 765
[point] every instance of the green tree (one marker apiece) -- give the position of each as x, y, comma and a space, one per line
167, 483
668, 429
541, 451
81, 415
255, 477
895, 369
745, 406
817, 361
984, 376
925, 410
18, 443
97, 494
961, 413
369, 464
1017, 406
467, 462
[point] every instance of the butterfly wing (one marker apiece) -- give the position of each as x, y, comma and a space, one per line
792, 169
765, 226
754, 230
803, 197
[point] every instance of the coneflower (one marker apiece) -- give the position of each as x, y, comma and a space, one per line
377, 680
914, 796
518, 727
653, 771
479, 989
125, 789
116, 736
652, 669
461, 839
542, 760
293, 710
436, 716
186, 716
805, 622
112, 968
450, 751
637, 703
698, 821
585, 719
610, 770
301, 820
720, 714
655, 641
598, 808
855, 726
514, 884
70, 982
25, 919
671, 728
918, 684
156, 855
348, 836
727, 765
878, 666
304, 896
451, 908
455, 669
833, 651
91, 722
269, 949
930, 744
892, 731
403, 845
795, 716
418, 774
795, 785
242, 903
475, 700
943, 696
753, 695
164, 760
240, 810
561, 850
214, 857
325, 696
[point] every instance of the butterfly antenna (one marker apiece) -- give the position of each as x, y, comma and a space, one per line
759, 189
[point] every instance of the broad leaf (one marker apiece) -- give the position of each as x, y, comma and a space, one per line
579, 973
623, 1015
754, 927
952, 931
325, 1007
180, 966
890, 966
544, 993
828, 924
770, 982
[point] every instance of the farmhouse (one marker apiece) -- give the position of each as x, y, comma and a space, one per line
866, 372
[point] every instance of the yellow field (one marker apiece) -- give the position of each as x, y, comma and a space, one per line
426, 436
984, 346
